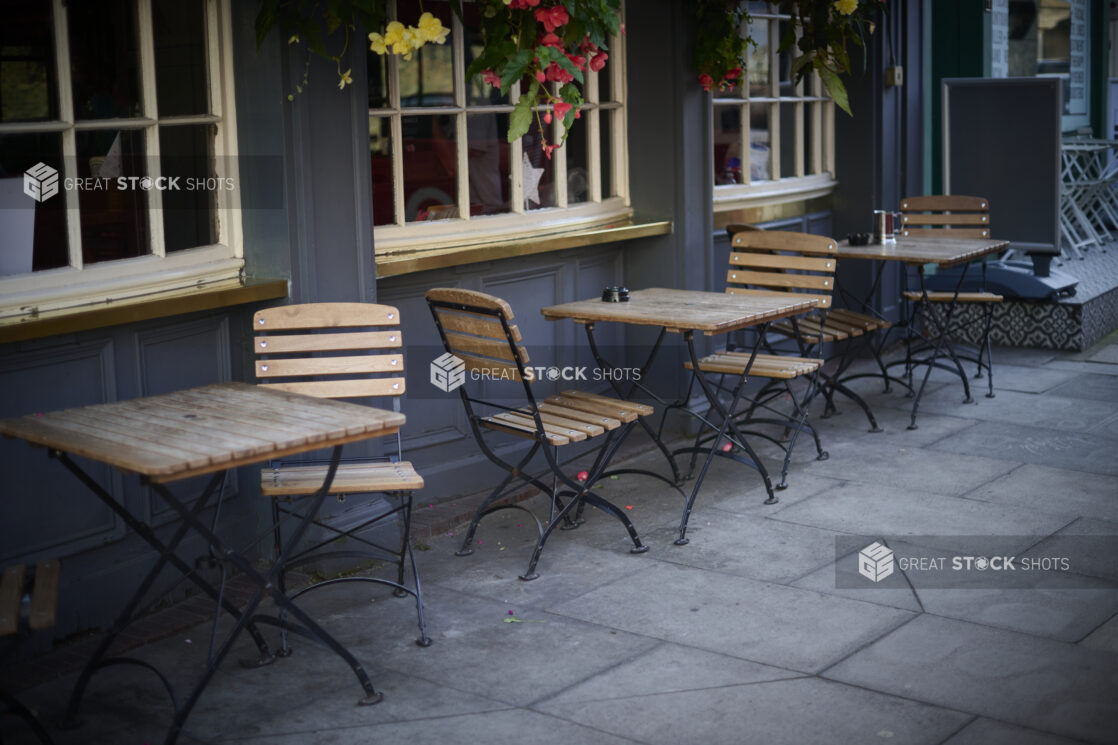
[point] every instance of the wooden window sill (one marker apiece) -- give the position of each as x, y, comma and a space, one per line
71, 320
403, 262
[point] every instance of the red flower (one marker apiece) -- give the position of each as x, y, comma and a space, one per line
540, 76
706, 81
733, 74
577, 60
547, 117
561, 109
551, 40
491, 78
598, 61
558, 74
552, 18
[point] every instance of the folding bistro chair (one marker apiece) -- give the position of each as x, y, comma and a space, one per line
341, 350
479, 331
777, 263
830, 326
953, 216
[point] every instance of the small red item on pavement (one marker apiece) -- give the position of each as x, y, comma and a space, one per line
582, 476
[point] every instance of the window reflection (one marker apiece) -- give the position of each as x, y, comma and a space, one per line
104, 59
489, 163
28, 90
113, 221
380, 155
32, 235
430, 168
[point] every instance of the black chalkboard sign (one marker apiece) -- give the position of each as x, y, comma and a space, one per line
1001, 140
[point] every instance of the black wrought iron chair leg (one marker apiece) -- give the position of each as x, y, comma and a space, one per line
405, 542
989, 352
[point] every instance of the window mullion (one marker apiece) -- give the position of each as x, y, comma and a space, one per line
745, 146
774, 108
69, 139
619, 118
462, 144
150, 109
516, 162
816, 127
560, 162
213, 58
591, 119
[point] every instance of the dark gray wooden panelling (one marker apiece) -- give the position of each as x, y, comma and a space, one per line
42, 514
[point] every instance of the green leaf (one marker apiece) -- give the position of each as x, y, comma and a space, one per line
800, 62
521, 118
836, 89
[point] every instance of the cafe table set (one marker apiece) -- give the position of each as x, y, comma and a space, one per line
211, 430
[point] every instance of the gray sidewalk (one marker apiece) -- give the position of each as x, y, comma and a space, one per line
741, 636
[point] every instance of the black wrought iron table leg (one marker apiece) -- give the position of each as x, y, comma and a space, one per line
166, 555
626, 395
941, 341
725, 424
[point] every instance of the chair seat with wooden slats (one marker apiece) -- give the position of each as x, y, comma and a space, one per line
480, 330
946, 297
342, 350
571, 416
351, 478
778, 366
867, 322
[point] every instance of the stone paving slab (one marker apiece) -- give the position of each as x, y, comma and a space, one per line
1105, 637
668, 668
1050, 686
1024, 378
1090, 386
893, 462
507, 727
1057, 412
824, 713
746, 546
988, 732
1069, 450
513, 663
895, 511
1095, 558
1055, 490
1094, 368
787, 627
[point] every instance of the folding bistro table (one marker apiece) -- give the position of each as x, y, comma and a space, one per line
920, 251
205, 431
688, 312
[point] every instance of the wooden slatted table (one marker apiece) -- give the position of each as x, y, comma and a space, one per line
943, 252
687, 312
205, 431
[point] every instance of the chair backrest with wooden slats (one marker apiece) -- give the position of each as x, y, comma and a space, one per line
330, 350
945, 216
480, 330
775, 263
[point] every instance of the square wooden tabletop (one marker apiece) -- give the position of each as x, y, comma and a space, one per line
202, 430
683, 310
942, 252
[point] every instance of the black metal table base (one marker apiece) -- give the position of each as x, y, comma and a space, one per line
246, 620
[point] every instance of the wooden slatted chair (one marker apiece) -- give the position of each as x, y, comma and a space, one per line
829, 326
480, 336
955, 216
346, 351
28, 603
777, 263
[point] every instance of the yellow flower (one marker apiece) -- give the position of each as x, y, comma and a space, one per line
394, 33
846, 7
345, 79
376, 43
432, 29
294, 39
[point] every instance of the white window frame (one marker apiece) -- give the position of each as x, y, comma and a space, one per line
76, 285
809, 180
518, 223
